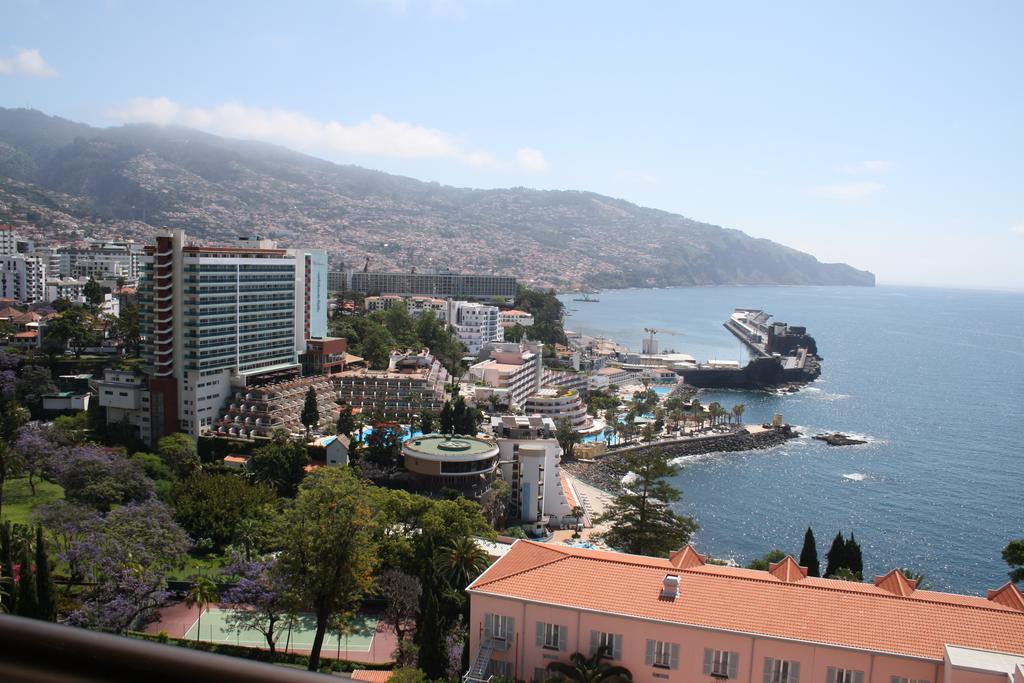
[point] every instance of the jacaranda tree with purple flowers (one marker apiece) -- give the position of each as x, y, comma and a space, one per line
34, 445
100, 477
127, 553
258, 598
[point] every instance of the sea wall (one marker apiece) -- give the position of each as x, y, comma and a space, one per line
607, 471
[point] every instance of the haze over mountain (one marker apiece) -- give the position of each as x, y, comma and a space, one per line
73, 181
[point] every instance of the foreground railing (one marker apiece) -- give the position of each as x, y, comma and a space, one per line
38, 651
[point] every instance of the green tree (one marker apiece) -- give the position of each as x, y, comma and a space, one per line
280, 463
376, 347
923, 584
93, 292
407, 674
461, 561
46, 599
128, 329
427, 422
568, 437
11, 465
214, 505
737, 411
179, 452
853, 560
310, 416
447, 420
329, 550
74, 328
346, 425
765, 561
593, 669
641, 520
809, 554
28, 601
1013, 555
201, 594
845, 574
836, 555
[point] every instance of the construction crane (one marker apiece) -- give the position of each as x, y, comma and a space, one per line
649, 345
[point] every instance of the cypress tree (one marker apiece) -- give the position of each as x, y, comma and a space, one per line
433, 658
310, 416
47, 604
809, 554
836, 556
459, 414
27, 603
447, 423
854, 560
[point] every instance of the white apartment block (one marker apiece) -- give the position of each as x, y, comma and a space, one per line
71, 289
514, 317
126, 397
100, 260
530, 460
8, 240
411, 384
22, 278
475, 324
559, 404
217, 319
515, 367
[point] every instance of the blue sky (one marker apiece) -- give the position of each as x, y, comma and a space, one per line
887, 135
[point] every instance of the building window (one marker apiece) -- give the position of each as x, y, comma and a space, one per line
837, 675
721, 663
781, 671
500, 669
552, 636
499, 627
662, 655
612, 642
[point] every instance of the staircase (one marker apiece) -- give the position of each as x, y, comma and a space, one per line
478, 669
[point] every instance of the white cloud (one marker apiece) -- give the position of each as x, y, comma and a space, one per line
872, 166
27, 63
532, 159
376, 136
876, 165
849, 191
1018, 228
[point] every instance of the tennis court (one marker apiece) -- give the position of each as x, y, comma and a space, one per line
297, 636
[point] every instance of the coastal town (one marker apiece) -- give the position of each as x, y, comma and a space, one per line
241, 447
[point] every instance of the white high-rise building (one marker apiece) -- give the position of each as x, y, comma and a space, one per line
22, 278
530, 460
475, 324
219, 319
514, 367
8, 240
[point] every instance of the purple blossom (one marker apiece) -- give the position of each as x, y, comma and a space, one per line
99, 477
127, 553
259, 596
8, 383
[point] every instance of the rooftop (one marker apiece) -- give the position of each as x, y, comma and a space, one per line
458, 446
886, 616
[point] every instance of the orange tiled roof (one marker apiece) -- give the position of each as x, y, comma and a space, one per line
371, 675
782, 603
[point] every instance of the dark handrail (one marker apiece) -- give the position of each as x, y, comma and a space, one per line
37, 651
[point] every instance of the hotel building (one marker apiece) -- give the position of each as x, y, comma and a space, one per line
438, 285
531, 466
680, 619
515, 367
411, 384
558, 404
22, 278
216, 320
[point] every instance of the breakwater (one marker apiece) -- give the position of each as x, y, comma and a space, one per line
606, 471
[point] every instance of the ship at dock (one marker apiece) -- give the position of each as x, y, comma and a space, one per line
785, 356
586, 298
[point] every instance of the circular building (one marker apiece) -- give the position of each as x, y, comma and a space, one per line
465, 463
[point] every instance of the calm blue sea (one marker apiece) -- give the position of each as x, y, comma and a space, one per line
933, 378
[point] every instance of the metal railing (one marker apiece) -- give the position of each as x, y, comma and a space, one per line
39, 651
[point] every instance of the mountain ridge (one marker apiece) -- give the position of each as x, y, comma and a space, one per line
73, 181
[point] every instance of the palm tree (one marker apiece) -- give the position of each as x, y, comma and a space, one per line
737, 410
923, 584
591, 669
202, 593
462, 561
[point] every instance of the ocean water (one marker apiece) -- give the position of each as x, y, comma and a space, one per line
934, 379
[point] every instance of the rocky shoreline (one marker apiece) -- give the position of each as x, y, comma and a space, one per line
605, 472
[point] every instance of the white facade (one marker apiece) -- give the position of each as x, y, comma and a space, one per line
126, 397
100, 260
514, 317
8, 240
475, 324
22, 278
530, 460
514, 366
71, 289
559, 404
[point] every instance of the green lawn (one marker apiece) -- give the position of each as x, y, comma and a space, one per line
19, 501
199, 565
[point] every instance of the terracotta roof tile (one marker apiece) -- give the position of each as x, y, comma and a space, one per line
896, 583
371, 675
828, 611
787, 570
1008, 595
